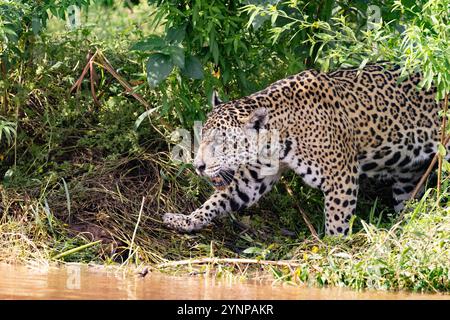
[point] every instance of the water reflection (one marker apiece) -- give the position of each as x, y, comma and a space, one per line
83, 282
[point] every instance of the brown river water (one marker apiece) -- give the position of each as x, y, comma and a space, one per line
93, 282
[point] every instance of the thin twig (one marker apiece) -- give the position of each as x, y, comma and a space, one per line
103, 62
427, 173
93, 77
5, 92
137, 225
77, 83
228, 260
66, 253
443, 134
100, 60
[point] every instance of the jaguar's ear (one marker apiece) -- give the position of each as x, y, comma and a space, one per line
257, 119
215, 100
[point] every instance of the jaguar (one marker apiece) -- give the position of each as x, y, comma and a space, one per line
332, 129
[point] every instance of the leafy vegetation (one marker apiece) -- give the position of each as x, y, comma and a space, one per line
85, 169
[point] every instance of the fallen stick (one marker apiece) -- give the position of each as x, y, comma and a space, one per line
237, 261
228, 260
66, 253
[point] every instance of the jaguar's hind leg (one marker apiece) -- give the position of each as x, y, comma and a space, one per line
403, 187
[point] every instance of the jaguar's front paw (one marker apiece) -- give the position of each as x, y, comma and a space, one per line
179, 222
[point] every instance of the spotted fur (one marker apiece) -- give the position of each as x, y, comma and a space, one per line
334, 129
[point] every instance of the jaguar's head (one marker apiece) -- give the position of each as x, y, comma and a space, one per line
229, 139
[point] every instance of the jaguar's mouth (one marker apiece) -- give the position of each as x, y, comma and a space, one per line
222, 179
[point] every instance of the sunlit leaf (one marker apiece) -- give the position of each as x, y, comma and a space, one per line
153, 42
143, 116
158, 68
176, 34
177, 55
441, 150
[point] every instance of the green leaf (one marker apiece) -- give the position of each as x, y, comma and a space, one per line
55, 66
177, 55
36, 25
7, 129
363, 63
252, 17
10, 32
149, 44
215, 52
441, 150
8, 175
447, 131
253, 250
445, 166
143, 116
159, 66
259, 21
226, 75
176, 34
54, 11
274, 18
193, 68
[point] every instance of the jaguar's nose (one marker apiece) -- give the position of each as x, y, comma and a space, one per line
200, 167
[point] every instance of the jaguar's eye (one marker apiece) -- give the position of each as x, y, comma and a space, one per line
218, 140
217, 147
